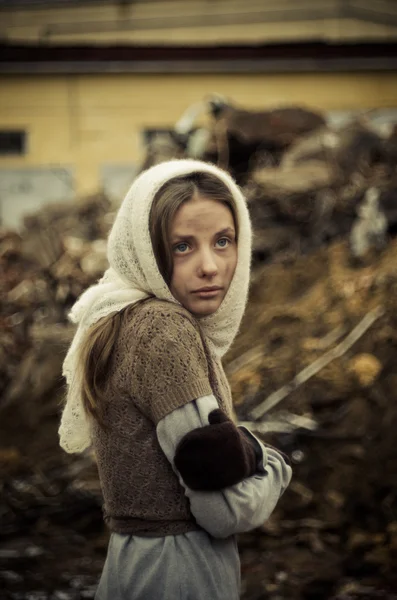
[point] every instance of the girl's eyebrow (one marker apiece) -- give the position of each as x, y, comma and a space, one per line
190, 238
225, 231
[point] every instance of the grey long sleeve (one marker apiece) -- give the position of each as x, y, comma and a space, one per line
236, 509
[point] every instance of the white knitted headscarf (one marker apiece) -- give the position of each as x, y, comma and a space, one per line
133, 275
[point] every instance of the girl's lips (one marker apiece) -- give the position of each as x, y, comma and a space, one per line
207, 293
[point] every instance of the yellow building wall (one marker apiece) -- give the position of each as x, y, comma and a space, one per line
85, 121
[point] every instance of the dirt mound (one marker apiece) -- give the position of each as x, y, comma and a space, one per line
333, 534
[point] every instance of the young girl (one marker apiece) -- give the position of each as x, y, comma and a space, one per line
146, 388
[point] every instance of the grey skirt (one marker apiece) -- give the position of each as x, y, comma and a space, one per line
190, 566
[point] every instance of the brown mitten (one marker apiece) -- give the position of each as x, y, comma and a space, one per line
217, 455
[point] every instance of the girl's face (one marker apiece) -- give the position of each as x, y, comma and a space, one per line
204, 250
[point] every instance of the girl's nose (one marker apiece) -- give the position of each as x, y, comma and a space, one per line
207, 265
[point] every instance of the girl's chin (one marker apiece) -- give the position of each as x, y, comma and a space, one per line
204, 308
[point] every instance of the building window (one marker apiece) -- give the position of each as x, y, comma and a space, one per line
150, 134
12, 142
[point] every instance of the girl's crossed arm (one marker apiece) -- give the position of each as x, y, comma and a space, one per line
237, 508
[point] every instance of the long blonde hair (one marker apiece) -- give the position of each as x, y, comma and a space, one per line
97, 347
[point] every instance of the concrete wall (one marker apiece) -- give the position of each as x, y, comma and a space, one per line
23, 191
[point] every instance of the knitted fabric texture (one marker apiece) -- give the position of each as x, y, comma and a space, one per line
159, 364
133, 275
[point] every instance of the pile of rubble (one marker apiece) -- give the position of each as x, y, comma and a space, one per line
50, 505
61, 252
312, 369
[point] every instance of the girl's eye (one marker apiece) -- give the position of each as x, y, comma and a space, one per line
181, 247
223, 242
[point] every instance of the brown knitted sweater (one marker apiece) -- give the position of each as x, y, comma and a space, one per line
160, 363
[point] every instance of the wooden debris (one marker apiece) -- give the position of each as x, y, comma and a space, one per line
276, 397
